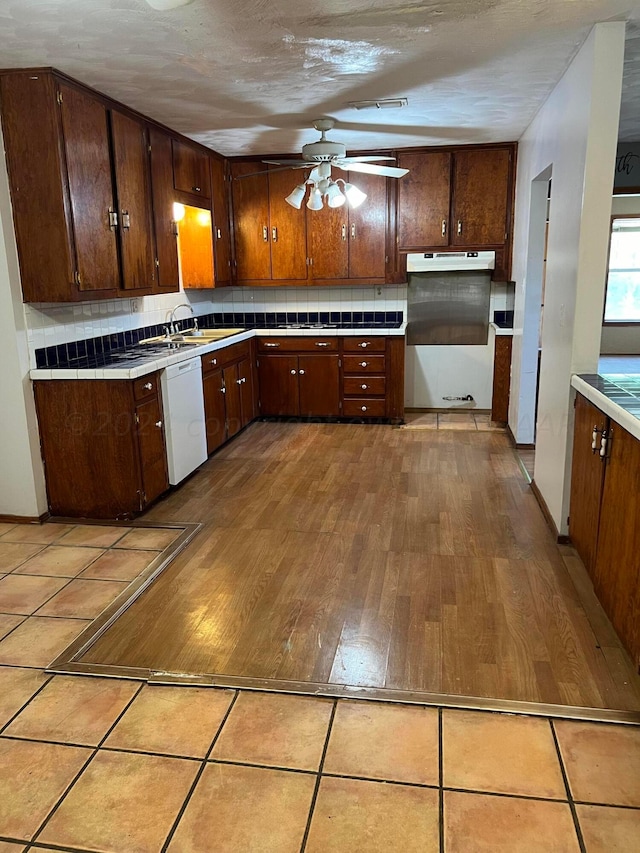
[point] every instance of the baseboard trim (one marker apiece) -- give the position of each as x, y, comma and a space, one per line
25, 519
561, 539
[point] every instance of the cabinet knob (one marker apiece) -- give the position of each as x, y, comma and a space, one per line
196, 189
148, 386
363, 363
365, 344
293, 372
218, 234
272, 345
301, 372
459, 227
159, 424
594, 438
322, 344
364, 387
213, 361
444, 227
223, 390
238, 381
364, 408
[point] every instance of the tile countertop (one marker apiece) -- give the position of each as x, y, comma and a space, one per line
501, 330
617, 395
176, 356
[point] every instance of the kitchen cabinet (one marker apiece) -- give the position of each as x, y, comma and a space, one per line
191, 169
221, 230
501, 378
168, 279
103, 445
229, 392
604, 519
270, 235
458, 198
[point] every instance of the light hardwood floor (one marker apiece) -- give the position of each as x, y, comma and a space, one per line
374, 556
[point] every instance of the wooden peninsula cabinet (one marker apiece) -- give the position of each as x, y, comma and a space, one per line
604, 520
103, 445
229, 384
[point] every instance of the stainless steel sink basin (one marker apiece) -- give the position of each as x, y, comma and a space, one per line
191, 337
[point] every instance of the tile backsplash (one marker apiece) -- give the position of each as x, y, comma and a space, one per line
52, 324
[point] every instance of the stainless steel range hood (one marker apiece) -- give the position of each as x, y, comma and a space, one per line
450, 261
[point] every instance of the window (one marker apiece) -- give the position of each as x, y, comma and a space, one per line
622, 302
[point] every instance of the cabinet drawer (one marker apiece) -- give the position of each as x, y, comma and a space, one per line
364, 408
191, 173
357, 386
364, 364
297, 344
364, 344
146, 386
234, 352
211, 361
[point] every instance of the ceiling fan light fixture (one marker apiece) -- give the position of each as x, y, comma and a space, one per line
355, 197
296, 196
315, 199
334, 196
382, 104
167, 5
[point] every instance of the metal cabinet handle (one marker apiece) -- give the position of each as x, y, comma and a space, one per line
274, 235
272, 345
344, 232
301, 372
594, 438
218, 234
604, 444
241, 381
148, 386
365, 344
322, 344
459, 227
363, 363
265, 233
353, 232
159, 424
113, 219
293, 372
364, 387
444, 227
126, 220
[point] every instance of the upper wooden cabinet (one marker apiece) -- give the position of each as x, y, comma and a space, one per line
191, 169
165, 227
461, 197
221, 231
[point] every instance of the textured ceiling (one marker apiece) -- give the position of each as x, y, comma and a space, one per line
248, 76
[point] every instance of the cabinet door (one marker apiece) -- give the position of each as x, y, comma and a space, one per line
191, 169
214, 409
232, 399
165, 227
480, 197
501, 378
247, 392
587, 477
151, 445
278, 380
288, 230
131, 164
367, 229
251, 222
221, 235
423, 200
86, 141
319, 383
328, 242
617, 576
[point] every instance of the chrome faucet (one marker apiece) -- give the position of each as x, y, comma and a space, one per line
170, 316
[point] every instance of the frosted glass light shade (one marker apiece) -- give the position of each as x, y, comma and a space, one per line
354, 195
315, 199
166, 5
335, 198
296, 196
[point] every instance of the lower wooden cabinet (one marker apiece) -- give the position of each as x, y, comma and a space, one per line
604, 517
229, 392
350, 377
501, 379
103, 445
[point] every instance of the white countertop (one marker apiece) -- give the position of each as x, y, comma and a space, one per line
500, 330
201, 349
601, 401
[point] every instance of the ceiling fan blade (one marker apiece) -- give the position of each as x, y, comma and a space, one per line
300, 163
278, 169
363, 159
371, 169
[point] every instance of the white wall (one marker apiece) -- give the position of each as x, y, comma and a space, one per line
622, 339
574, 134
22, 490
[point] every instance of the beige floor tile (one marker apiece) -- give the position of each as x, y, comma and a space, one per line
12, 554
502, 753
17, 686
60, 561
456, 420
421, 420
37, 533
83, 599
9, 621
8, 847
372, 817
25, 593
122, 802
172, 720
276, 730
120, 565
384, 741
74, 710
96, 535
602, 761
245, 809
6, 526
609, 830
32, 778
481, 823
149, 538
38, 641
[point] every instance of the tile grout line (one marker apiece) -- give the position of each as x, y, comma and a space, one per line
29, 700
94, 752
8, 634
316, 788
565, 779
198, 775
440, 782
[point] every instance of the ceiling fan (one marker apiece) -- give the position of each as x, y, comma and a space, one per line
319, 157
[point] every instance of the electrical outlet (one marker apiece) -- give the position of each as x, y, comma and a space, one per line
378, 291
135, 306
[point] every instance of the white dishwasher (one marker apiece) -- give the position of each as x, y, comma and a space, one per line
183, 404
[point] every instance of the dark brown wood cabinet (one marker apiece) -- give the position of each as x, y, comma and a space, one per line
604, 516
480, 197
229, 392
191, 169
501, 378
424, 199
167, 276
221, 229
103, 445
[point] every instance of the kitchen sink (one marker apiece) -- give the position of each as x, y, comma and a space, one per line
191, 338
